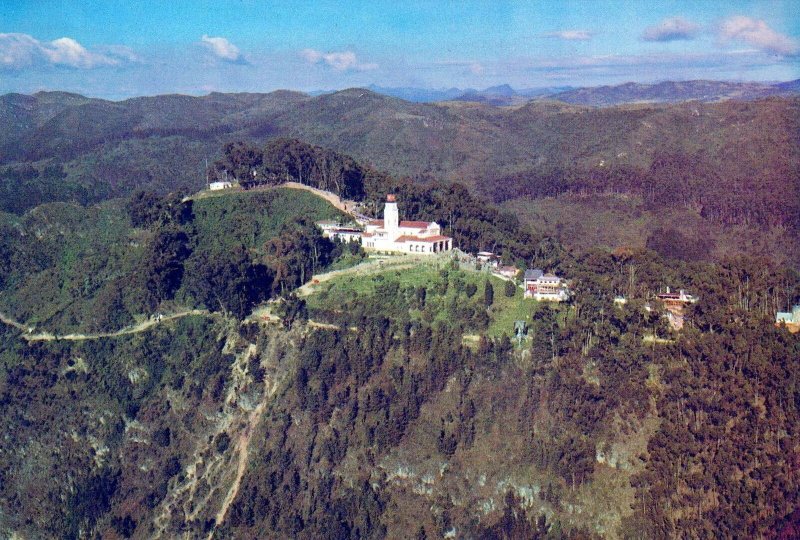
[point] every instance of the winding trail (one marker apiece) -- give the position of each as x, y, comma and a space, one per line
29, 336
11, 322
344, 205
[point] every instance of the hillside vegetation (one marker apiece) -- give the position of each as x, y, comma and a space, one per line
275, 400
732, 164
395, 423
72, 268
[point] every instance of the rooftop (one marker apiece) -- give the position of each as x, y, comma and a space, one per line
533, 273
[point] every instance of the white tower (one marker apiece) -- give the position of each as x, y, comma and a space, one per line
391, 217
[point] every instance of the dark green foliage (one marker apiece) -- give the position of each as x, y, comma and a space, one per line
222, 442
284, 160
488, 294
296, 254
91, 500
515, 524
230, 282
124, 526
162, 266
673, 244
510, 289
293, 309
146, 208
26, 186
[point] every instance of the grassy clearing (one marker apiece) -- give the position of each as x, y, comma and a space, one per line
370, 280
507, 310
253, 217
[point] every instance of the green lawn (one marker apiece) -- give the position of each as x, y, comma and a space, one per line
415, 273
253, 217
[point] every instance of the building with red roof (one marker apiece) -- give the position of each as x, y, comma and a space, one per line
414, 237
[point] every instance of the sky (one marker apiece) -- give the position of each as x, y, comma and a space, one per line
122, 49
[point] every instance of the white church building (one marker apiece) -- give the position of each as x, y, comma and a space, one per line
414, 237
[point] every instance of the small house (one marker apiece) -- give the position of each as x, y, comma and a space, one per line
488, 258
509, 272
675, 303
545, 287
216, 186
789, 318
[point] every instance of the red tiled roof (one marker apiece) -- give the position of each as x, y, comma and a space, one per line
409, 238
434, 238
378, 222
414, 224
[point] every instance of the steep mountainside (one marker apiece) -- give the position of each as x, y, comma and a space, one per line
164, 375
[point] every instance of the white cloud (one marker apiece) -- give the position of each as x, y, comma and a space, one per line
571, 35
672, 29
21, 50
340, 61
476, 69
757, 34
222, 48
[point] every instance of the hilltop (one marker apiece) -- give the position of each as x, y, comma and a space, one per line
63, 147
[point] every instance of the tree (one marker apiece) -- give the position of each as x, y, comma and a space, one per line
162, 267
231, 281
488, 294
510, 289
296, 254
293, 309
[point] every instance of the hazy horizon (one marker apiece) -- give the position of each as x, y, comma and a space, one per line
100, 49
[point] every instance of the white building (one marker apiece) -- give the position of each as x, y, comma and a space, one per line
488, 258
335, 231
415, 237
214, 186
545, 287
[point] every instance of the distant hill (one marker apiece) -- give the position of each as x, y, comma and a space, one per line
418, 95
673, 92
63, 147
601, 96
500, 95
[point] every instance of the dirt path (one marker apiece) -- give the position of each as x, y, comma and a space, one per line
11, 322
345, 205
373, 266
143, 326
243, 453
342, 204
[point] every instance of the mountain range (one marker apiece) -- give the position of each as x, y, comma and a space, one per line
600, 96
177, 363
735, 161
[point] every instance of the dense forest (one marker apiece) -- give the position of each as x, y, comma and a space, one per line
672, 180
696, 433
390, 404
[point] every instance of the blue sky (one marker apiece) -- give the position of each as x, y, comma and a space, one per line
122, 49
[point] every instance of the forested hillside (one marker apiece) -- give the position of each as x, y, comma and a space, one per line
71, 268
174, 365
730, 167
389, 421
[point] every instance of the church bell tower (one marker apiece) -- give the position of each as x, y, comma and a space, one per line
391, 216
